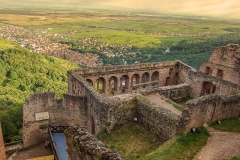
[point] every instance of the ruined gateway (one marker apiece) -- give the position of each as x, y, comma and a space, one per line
108, 97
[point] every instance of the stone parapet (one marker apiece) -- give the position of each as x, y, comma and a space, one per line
83, 145
210, 108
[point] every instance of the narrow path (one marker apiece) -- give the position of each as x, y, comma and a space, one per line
220, 145
158, 99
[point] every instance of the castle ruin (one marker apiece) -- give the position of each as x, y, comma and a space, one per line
111, 96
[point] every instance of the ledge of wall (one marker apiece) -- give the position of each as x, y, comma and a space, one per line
83, 145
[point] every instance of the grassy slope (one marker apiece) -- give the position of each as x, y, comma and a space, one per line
230, 125
180, 147
131, 140
134, 142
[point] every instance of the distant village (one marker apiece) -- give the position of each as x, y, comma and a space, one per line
43, 42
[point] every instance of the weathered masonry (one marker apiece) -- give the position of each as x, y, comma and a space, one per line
224, 63
113, 80
111, 96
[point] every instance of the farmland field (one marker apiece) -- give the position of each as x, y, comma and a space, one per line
118, 27
121, 36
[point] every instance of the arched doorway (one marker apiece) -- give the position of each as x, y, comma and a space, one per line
124, 80
112, 84
155, 77
145, 77
135, 80
100, 85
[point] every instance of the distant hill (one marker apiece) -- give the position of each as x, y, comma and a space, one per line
23, 73
61, 4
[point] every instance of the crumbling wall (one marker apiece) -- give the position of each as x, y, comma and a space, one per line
183, 71
222, 87
210, 108
83, 145
175, 92
124, 111
44, 109
37, 103
2, 149
158, 120
224, 62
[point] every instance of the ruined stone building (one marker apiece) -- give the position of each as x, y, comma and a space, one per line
111, 96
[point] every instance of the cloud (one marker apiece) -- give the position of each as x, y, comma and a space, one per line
203, 7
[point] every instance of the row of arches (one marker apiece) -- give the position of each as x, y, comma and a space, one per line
125, 82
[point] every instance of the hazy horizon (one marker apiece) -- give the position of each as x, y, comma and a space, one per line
219, 8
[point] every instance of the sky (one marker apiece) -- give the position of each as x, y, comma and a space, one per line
224, 8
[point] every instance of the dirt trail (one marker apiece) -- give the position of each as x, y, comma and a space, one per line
158, 99
220, 145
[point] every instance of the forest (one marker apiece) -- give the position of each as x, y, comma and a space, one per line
190, 51
23, 73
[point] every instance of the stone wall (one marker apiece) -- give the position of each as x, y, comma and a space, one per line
44, 109
83, 145
111, 112
222, 87
210, 108
125, 110
175, 92
158, 120
2, 149
97, 105
183, 71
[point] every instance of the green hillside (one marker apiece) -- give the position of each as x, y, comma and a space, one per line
23, 73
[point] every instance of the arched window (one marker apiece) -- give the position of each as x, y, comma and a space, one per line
145, 77
112, 84
101, 84
135, 79
124, 82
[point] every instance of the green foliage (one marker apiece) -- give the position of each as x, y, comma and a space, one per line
23, 73
230, 125
6, 44
235, 158
185, 99
177, 106
180, 147
103, 134
43, 127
